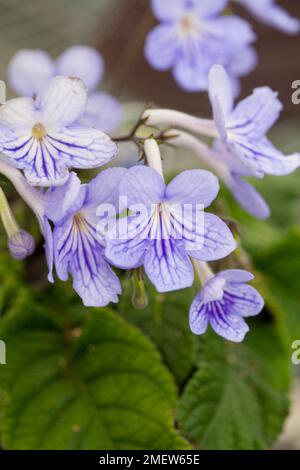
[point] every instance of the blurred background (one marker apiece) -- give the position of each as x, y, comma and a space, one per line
117, 28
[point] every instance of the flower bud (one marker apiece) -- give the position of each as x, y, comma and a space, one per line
21, 245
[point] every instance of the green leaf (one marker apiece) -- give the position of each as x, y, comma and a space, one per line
98, 384
280, 264
165, 321
237, 398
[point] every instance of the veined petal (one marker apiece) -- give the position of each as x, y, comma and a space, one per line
193, 187
142, 185
166, 11
218, 240
168, 266
236, 275
63, 200
161, 46
220, 91
104, 188
198, 316
18, 115
262, 156
249, 198
81, 147
255, 115
82, 62
29, 71
230, 327
243, 300
78, 252
103, 111
62, 102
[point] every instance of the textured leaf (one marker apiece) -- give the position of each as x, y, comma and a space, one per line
237, 398
165, 321
99, 384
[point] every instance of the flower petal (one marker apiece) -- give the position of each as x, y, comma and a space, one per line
103, 111
220, 93
161, 47
29, 71
236, 275
166, 11
168, 266
218, 240
263, 157
249, 198
82, 62
59, 202
255, 115
198, 316
191, 69
193, 187
230, 327
62, 102
142, 185
18, 115
81, 147
243, 300
104, 188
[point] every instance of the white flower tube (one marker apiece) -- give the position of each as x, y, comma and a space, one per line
171, 118
153, 156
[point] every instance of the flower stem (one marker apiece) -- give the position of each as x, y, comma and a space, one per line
153, 156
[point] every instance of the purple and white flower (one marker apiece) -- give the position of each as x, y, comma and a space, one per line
224, 302
30, 70
78, 245
272, 14
242, 129
193, 36
164, 235
39, 135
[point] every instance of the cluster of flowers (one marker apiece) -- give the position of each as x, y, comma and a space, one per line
193, 35
43, 137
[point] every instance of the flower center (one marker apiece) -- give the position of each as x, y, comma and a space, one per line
79, 222
188, 25
214, 289
38, 131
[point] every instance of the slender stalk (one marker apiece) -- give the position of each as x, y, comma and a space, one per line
8, 220
203, 271
170, 118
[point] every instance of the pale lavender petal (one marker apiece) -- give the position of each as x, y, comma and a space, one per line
82, 62
142, 185
104, 188
255, 115
218, 240
191, 71
49, 248
59, 202
242, 300
208, 7
103, 111
29, 71
249, 198
243, 62
166, 11
198, 316
62, 102
220, 93
230, 327
236, 275
193, 187
168, 266
18, 115
161, 47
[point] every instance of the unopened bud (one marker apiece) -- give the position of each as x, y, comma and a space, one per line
139, 297
21, 245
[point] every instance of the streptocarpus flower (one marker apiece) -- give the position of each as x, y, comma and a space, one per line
193, 36
224, 302
78, 245
167, 232
243, 129
39, 136
269, 12
30, 70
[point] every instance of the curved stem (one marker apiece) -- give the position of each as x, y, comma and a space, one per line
170, 118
